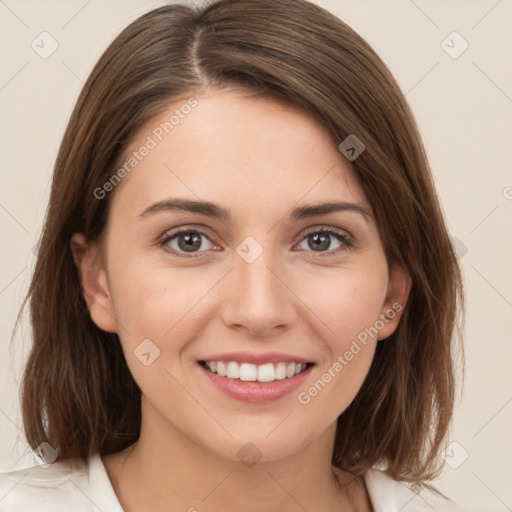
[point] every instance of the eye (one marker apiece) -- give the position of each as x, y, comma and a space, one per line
186, 241
320, 239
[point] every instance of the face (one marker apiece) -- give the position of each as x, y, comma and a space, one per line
289, 300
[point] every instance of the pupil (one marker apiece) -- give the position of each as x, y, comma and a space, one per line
190, 242
320, 241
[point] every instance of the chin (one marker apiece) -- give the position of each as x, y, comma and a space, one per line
251, 445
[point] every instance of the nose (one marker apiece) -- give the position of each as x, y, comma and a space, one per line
258, 298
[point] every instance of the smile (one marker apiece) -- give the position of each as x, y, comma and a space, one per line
249, 372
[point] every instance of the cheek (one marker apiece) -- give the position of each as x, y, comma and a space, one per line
158, 309
348, 307
154, 301
346, 301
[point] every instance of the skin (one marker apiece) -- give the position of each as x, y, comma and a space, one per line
259, 158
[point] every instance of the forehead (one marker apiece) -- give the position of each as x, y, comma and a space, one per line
247, 153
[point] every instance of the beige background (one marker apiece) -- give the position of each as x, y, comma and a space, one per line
463, 106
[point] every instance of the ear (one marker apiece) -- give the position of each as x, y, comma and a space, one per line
399, 287
93, 277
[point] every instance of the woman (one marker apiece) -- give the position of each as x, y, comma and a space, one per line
245, 293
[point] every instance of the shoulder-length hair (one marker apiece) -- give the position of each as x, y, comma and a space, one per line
77, 392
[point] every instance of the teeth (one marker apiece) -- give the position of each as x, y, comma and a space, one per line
221, 368
233, 371
248, 372
266, 373
280, 371
251, 372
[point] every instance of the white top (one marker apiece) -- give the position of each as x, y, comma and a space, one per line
72, 485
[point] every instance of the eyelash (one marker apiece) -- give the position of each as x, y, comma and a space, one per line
340, 235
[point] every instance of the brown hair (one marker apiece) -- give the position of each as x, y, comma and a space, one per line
77, 391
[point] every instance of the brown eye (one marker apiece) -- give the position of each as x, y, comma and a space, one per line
321, 241
185, 241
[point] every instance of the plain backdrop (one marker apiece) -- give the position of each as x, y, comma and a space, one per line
462, 99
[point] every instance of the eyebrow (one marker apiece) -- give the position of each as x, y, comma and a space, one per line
215, 211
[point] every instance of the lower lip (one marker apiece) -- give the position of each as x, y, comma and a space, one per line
256, 392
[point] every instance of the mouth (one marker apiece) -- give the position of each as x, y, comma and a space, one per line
257, 379
248, 372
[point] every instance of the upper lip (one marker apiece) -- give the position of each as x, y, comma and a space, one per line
264, 358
